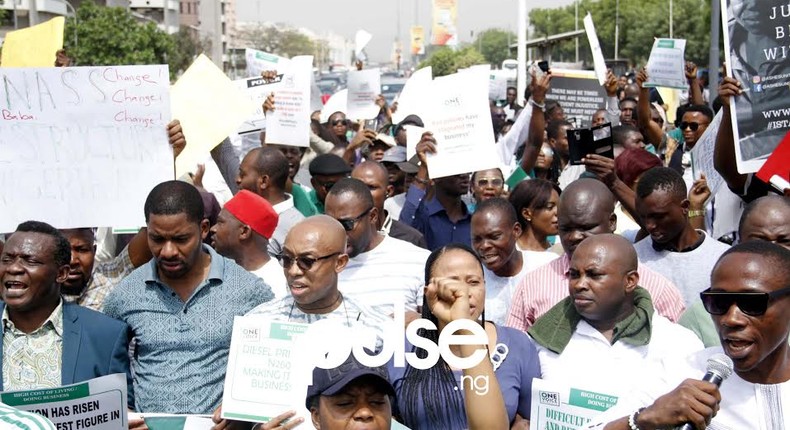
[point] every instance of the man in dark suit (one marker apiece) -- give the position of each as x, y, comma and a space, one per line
45, 341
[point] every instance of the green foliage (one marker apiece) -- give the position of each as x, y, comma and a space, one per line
112, 36
494, 45
446, 61
187, 46
286, 42
640, 22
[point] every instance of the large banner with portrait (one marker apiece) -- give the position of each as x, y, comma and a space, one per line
756, 34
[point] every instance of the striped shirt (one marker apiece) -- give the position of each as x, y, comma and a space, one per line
548, 285
392, 271
12, 418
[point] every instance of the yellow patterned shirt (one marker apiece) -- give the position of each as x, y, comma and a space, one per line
33, 360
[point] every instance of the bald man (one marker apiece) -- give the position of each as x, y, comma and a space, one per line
764, 219
608, 323
314, 254
586, 209
264, 171
376, 177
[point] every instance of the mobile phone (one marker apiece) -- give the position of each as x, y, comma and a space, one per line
371, 124
544, 66
596, 140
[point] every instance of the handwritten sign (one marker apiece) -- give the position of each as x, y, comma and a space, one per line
364, 86
210, 108
666, 65
557, 406
82, 146
599, 63
702, 156
97, 404
34, 46
268, 371
289, 124
460, 120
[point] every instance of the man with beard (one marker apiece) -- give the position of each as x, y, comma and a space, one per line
180, 306
381, 270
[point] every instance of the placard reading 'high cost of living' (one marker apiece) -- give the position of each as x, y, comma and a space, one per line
82, 146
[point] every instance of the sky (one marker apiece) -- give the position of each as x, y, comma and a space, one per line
380, 17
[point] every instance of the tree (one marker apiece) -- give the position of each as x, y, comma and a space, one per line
187, 45
286, 42
494, 44
640, 22
112, 36
446, 61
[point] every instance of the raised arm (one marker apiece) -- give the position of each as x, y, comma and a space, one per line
724, 151
612, 106
650, 129
695, 91
537, 122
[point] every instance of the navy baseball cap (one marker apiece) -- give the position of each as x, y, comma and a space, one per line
328, 382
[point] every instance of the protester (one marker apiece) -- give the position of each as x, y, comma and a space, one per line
628, 111
189, 288
486, 184
374, 175
535, 203
326, 170
264, 171
608, 322
381, 271
748, 302
434, 397
47, 342
674, 248
586, 208
495, 231
242, 233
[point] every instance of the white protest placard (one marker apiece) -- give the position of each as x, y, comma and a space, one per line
497, 85
256, 90
259, 61
458, 115
82, 146
599, 63
268, 370
702, 156
289, 123
210, 108
337, 103
96, 404
361, 40
409, 100
413, 137
666, 65
558, 406
364, 86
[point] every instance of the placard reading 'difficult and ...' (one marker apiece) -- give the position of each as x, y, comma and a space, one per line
82, 146
96, 404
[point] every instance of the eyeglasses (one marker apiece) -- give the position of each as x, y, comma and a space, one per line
692, 125
492, 182
302, 262
339, 122
754, 304
349, 223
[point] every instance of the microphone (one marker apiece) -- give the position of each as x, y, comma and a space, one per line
718, 369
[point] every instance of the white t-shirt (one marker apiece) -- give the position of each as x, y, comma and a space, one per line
500, 290
392, 271
273, 274
689, 271
744, 405
614, 369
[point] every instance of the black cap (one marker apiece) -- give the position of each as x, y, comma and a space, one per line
409, 120
328, 382
329, 164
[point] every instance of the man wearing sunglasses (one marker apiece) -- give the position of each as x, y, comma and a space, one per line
381, 270
749, 302
326, 170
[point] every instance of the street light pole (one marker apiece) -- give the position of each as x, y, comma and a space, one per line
521, 71
616, 29
576, 3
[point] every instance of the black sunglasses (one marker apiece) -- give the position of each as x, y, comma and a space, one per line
303, 262
754, 304
339, 122
349, 223
692, 125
